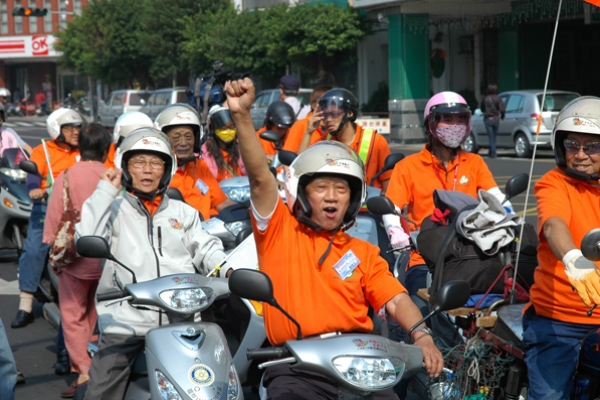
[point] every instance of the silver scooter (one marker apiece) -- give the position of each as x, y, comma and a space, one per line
361, 364
184, 359
15, 202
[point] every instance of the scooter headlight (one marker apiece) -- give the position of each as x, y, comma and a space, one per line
188, 300
238, 194
369, 373
233, 389
14, 173
166, 388
236, 227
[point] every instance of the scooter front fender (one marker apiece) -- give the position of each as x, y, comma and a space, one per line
193, 357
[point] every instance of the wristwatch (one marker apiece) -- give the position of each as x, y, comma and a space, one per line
423, 329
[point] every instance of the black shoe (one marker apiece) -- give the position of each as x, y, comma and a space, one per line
22, 319
20, 378
62, 366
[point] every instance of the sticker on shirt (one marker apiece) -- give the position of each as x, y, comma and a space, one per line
464, 180
175, 224
346, 265
202, 187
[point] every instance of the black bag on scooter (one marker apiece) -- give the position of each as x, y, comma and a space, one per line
449, 256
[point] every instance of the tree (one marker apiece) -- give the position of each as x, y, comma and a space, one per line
104, 42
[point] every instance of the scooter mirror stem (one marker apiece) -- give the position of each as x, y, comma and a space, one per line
277, 306
113, 259
435, 310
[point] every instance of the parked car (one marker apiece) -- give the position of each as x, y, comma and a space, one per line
119, 102
265, 98
520, 123
161, 98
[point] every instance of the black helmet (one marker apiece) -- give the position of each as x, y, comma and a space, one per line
343, 99
280, 114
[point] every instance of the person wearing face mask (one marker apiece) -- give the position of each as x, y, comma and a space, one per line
220, 150
336, 112
442, 164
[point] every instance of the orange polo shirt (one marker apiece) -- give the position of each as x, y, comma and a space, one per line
198, 186
416, 177
316, 295
268, 147
60, 159
578, 204
378, 151
294, 137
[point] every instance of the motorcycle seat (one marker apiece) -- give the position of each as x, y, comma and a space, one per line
509, 325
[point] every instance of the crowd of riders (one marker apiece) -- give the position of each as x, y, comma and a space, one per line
117, 182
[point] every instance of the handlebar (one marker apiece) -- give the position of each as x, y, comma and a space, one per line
117, 294
267, 354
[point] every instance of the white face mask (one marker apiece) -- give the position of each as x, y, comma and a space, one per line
451, 135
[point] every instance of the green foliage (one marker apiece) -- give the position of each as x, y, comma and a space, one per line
378, 102
151, 41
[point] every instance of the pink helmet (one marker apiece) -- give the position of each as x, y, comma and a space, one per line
445, 103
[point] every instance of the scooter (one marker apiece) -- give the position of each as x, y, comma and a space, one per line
361, 364
14, 197
184, 359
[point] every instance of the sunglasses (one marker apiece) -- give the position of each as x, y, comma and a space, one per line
589, 148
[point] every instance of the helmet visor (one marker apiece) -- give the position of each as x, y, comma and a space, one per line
220, 118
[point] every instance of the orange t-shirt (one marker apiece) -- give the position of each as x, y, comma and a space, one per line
315, 295
416, 177
198, 187
576, 203
110, 160
268, 147
378, 151
60, 159
295, 135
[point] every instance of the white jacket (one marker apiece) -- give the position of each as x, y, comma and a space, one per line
171, 242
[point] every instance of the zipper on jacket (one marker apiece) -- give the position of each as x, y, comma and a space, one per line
160, 242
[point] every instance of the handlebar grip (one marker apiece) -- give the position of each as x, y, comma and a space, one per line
267, 354
117, 294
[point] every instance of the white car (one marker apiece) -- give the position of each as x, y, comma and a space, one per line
520, 123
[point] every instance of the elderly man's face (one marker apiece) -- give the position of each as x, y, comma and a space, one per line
329, 198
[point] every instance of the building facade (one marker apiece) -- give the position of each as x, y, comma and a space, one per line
28, 61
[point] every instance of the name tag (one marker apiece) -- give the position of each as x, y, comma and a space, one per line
346, 265
203, 187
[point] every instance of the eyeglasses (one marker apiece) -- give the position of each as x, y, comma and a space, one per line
589, 148
332, 114
71, 128
140, 163
182, 138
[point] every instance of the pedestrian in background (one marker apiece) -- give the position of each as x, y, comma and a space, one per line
78, 281
493, 109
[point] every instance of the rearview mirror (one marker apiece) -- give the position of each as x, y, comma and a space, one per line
516, 185
286, 157
93, 247
590, 245
453, 294
252, 284
391, 160
30, 167
270, 136
381, 205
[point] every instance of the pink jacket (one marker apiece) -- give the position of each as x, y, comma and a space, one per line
83, 180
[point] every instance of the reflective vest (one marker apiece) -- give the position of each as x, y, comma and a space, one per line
364, 148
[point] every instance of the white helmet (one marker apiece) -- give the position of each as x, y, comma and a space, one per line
60, 117
180, 114
146, 140
581, 115
129, 122
330, 158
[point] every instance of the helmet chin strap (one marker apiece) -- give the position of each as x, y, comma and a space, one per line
340, 126
589, 178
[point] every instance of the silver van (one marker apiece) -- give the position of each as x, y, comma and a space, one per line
119, 102
161, 98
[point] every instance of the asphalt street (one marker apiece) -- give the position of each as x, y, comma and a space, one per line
34, 346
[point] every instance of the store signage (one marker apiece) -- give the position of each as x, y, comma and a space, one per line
34, 46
